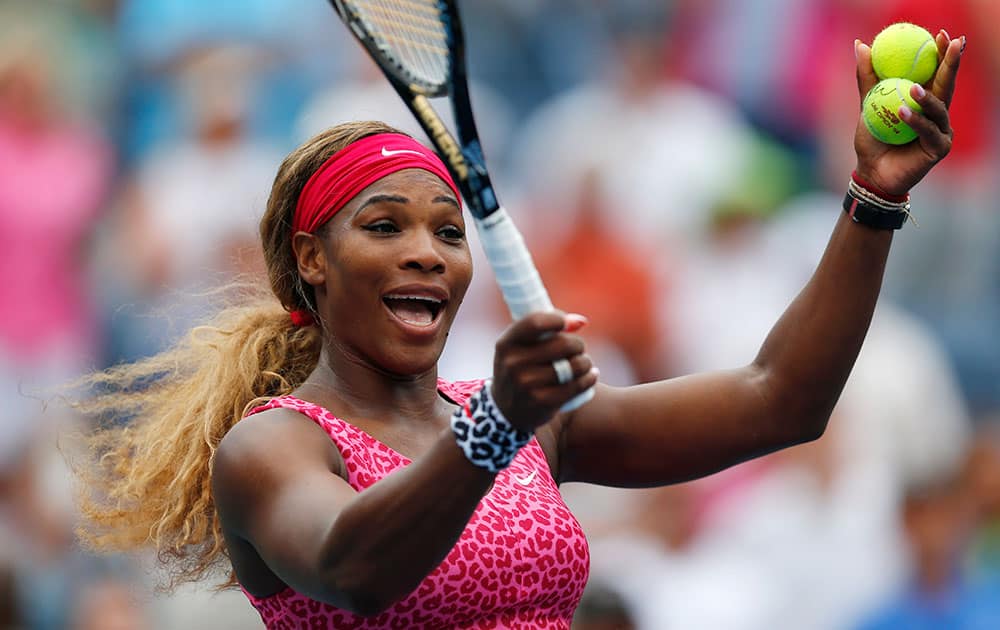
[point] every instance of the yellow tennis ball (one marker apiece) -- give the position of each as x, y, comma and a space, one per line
881, 111
905, 51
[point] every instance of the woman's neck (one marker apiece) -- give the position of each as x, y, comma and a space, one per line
352, 388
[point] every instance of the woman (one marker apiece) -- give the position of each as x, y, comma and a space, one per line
348, 486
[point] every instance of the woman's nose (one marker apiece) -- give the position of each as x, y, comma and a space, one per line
422, 253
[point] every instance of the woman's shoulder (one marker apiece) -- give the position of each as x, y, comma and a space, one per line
271, 433
278, 419
262, 456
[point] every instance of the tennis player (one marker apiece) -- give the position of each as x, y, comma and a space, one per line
307, 442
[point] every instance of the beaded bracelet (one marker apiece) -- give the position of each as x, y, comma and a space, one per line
486, 437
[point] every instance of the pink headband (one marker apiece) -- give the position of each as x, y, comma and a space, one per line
354, 168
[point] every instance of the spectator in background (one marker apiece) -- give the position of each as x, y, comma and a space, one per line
602, 608
55, 171
362, 93
593, 269
982, 478
716, 47
629, 115
154, 34
108, 603
570, 153
938, 520
189, 210
959, 294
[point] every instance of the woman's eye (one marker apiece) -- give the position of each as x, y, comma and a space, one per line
451, 232
381, 227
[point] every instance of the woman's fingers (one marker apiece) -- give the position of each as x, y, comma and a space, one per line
554, 396
933, 126
531, 328
545, 374
865, 72
539, 365
935, 141
942, 39
943, 84
933, 108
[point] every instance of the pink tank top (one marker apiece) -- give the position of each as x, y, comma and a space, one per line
522, 561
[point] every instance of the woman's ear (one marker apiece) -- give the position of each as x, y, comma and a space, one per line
310, 257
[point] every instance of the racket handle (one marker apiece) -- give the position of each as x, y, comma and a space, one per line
517, 276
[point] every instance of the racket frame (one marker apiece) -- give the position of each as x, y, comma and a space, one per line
509, 258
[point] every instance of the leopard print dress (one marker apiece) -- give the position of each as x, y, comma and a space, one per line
522, 561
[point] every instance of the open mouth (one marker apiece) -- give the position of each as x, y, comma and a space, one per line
413, 309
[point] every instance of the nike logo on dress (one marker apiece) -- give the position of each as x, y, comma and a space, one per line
389, 153
524, 481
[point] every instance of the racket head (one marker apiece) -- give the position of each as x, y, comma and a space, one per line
419, 46
417, 43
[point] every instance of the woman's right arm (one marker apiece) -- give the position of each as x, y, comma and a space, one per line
275, 485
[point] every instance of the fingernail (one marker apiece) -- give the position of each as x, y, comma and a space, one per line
905, 112
947, 36
574, 322
919, 90
595, 371
856, 43
962, 49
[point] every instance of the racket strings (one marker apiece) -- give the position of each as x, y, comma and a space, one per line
412, 33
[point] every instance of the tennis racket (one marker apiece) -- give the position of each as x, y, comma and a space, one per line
418, 44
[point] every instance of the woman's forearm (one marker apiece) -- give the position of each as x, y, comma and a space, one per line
386, 541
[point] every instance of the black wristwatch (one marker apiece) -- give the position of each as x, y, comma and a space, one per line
873, 216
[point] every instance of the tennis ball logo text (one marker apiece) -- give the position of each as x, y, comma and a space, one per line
441, 136
885, 114
888, 117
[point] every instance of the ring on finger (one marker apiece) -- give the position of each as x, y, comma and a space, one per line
564, 371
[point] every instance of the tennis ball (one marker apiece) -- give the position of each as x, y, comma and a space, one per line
905, 51
881, 111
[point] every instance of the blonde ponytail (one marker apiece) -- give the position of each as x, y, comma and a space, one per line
149, 478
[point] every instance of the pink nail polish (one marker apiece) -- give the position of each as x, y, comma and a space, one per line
574, 322
905, 112
919, 90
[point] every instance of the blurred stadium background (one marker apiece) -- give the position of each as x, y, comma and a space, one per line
676, 166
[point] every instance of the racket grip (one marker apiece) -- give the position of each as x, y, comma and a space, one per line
517, 276
511, 262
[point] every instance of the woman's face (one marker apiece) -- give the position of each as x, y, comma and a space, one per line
397, 265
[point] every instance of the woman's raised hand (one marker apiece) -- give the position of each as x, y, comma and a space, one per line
539, 365
896, 169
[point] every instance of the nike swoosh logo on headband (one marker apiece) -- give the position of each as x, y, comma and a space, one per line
388, 153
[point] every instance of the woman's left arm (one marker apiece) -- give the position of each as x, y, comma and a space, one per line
684, 428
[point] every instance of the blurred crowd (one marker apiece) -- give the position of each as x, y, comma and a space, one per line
676, 166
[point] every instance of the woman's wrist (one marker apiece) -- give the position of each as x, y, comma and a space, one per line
867, 182
871, 206
485, 436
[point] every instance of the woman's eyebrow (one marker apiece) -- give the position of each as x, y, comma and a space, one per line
388, 198
382, 198
446, 199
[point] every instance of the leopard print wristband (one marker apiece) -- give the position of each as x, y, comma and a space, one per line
484, 435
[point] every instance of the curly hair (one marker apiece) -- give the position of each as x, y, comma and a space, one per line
146, 479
